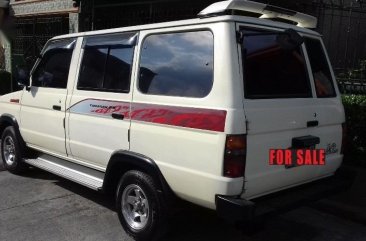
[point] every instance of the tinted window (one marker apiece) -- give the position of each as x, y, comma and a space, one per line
93, 68
270, 71
177, 64
320, 68
107, 62
53, 69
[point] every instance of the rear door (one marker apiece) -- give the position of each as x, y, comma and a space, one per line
280, 105
98, 120
329, 107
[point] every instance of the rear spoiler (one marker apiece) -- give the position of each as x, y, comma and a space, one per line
265, 11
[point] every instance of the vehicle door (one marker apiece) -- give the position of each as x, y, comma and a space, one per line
280, 105
43, 103
98, 117
329, 108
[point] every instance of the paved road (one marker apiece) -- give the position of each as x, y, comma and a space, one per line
43, 207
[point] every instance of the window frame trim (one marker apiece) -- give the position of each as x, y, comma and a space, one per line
82, 54
325, 54
310, 95
173, 31
39, 60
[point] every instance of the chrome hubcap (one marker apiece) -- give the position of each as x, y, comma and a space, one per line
9, 150
135, 207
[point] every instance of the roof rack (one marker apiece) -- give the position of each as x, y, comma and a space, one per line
264, 11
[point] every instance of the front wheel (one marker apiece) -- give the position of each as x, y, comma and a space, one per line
140, 208
12, 152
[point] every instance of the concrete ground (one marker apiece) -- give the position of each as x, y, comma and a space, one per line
41, 206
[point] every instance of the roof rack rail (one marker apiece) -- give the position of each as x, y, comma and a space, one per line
264, 10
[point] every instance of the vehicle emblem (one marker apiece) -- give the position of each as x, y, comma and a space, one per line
331, 148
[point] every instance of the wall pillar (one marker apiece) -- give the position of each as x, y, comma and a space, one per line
73, 22
7, 51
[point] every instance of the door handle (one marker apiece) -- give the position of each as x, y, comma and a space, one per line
118, 116
57, 107
312, 123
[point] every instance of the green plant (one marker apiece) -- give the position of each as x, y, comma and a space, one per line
355, 107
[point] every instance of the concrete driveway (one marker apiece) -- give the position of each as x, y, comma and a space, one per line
41, 206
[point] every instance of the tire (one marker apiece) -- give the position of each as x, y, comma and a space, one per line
141, 209
12, 151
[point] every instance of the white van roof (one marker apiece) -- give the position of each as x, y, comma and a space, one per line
197, 21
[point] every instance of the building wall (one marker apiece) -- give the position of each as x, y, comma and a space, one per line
6, 52
35, 22
22, 8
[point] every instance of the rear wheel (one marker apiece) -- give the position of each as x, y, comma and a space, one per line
140, 208
12, 151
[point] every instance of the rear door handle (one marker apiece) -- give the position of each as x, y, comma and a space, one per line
312, 123
57, 107
118, 116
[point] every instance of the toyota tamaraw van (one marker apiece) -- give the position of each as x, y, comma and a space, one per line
188, 109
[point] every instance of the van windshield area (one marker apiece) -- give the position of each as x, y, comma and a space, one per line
271, 71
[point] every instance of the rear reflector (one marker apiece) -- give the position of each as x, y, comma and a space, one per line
235, 156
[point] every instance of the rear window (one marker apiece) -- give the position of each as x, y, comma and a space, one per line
271, 71
177, 64
320, 69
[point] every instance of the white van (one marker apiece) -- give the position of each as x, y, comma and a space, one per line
188, 109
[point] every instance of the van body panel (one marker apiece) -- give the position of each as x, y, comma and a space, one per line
92, 134
191, 159
194, 22
10, 104
48, 103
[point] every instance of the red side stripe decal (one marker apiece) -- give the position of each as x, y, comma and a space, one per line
197, 118
204, 119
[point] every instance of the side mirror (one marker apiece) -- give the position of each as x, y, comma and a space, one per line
290, 40
22, 77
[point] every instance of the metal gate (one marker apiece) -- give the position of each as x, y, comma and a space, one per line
32, 33
342, 23
130, 13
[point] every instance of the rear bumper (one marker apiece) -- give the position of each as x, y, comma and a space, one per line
235, 209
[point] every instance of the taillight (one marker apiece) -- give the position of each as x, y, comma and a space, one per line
235, 156
344, 138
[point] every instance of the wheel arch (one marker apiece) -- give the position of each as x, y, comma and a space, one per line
7, 120
124, 161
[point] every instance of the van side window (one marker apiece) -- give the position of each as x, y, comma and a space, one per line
320, 69
52, 70
177, 64
107, 62
272, 71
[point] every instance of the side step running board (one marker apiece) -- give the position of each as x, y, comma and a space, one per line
83, 175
